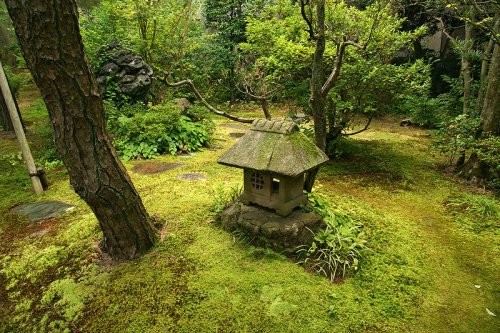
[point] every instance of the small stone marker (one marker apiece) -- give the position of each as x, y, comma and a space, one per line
192, 176
152, 168
43, 210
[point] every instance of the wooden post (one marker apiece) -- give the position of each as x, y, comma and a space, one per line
18, 128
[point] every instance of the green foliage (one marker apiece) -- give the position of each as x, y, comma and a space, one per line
478, 213
488, 151
457, 135
337, 249
141, 132
224, 197
17, 80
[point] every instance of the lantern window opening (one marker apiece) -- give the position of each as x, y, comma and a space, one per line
257, 181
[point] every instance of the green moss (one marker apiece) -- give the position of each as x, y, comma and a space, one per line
419, 276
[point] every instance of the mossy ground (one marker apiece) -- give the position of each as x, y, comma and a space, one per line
432, 244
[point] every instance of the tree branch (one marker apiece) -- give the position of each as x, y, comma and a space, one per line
310, 30
202, 100
361, 130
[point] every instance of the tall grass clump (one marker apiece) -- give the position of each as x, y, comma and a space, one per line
338, 248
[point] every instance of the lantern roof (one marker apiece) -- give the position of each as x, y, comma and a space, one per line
274, 146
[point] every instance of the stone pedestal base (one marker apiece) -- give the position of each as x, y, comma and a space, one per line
271, 230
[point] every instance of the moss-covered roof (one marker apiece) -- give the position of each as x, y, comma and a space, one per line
275, 146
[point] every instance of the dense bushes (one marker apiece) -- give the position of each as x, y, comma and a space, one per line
146, 132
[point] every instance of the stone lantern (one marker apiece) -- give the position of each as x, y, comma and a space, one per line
274, 156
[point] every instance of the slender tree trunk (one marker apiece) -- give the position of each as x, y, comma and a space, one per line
49, 37
485, 66
232, 86
265, 108
490, 118
466, 67
317, 79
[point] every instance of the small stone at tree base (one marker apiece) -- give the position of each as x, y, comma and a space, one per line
43, 210
271, 230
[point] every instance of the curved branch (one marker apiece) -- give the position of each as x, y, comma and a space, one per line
203, 101
361, 130
310, 29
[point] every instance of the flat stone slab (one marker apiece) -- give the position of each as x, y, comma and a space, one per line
192, 176
236, 134
152, 168
43, 210
271, 230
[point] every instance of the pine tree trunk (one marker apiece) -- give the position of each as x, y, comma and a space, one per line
49, 37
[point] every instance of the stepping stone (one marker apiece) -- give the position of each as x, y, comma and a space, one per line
43, 210
192, 176
236, 135
235, 126
152, 168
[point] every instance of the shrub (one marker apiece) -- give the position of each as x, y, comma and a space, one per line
16, 80
337, 249
141, 132
458, 134
224, 197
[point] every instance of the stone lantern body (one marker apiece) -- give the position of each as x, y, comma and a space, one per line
274, 156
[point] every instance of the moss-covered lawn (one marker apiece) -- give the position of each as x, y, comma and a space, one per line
433, 264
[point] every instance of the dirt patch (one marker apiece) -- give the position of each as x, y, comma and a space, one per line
236, 134
152, 168
192, 176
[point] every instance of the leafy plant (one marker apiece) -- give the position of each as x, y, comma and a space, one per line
224, 197
337, 249
141, 132
456, 135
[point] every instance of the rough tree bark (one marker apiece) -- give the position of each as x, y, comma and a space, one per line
49, 37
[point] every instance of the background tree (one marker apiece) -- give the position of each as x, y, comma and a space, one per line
49, 36
226, 20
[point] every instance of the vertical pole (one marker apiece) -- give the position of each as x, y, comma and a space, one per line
18, 128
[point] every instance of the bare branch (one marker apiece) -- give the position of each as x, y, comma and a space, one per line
202, 100
310, 30
361, 130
